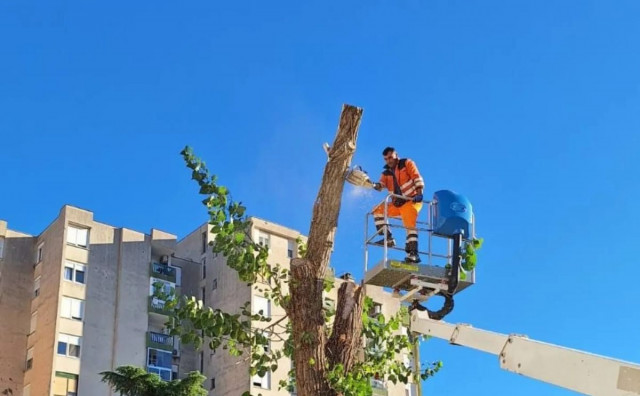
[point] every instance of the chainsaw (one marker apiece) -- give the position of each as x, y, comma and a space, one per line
358, 177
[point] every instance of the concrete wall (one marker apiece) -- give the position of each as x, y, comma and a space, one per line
116, 320
229, 294
16, 283
100, 308
44, 339
131, 323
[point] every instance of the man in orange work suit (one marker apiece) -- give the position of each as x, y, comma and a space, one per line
401, 177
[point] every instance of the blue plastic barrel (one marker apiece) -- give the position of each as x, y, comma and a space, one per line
452, 214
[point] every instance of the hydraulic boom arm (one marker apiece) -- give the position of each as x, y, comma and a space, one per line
579, 371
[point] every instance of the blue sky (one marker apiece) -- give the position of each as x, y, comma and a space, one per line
528, 108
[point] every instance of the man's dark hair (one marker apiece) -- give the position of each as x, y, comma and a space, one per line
388, 150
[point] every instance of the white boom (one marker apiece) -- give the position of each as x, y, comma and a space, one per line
579, 371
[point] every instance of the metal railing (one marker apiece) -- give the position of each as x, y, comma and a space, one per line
157, 306
160, 341
163, 271
422, 227
160, 338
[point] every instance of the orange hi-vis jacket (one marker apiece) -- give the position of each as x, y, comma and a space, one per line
407, 175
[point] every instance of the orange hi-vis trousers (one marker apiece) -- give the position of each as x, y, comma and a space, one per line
409, 214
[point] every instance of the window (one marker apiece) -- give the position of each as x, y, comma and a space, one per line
72, 308
204, 295
215, 284
1, 247
204, 267
201, 362
29, 363
164, 374
68, 345
34, 321
264, 239
291, 248
65, 384
74, 272
159, 362
213, 384
262, 382
26, 391
36, 287
261, 305
39, 253
77, 236
204, 242
174, 372
158, 358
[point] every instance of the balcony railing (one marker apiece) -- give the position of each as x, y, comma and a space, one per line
162, 271
157, 306
159, 341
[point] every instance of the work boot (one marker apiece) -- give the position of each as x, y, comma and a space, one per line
412, 251
412, 258
380, 225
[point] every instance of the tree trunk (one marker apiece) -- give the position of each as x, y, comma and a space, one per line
308, 273
346, 338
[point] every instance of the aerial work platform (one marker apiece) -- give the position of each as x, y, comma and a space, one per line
449, 225
397, 274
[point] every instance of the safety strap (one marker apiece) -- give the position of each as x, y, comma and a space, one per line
397, 190
396, 185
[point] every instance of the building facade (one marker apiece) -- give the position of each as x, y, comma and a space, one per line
77, 300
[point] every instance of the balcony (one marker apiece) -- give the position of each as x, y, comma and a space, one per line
378, 388
162, 271
159, 341
157, 306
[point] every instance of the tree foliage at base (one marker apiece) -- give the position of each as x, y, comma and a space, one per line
135, 381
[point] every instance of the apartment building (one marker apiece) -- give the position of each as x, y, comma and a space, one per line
76, 300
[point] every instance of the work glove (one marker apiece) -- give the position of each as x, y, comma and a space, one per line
417, 198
